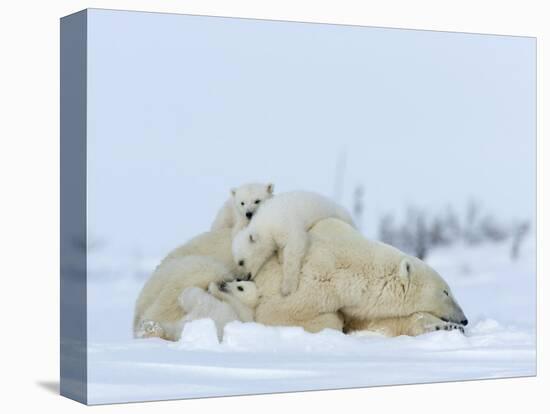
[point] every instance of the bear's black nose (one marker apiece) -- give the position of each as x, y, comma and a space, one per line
249, 215
464, 322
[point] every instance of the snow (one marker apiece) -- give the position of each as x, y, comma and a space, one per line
497, 294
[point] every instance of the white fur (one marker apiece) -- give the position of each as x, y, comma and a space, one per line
370, 284
347, 281
222, 306
281, 225
158, 312
244, 200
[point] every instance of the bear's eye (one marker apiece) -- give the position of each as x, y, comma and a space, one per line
240, 288
446, 293
241, 262
242, 203
257, 202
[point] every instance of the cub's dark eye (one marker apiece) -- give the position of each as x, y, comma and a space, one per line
241, 262
446, 293
242, 203
240, 288
257, 202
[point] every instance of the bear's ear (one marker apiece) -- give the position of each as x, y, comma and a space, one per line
270, 187
405, 270
233, 192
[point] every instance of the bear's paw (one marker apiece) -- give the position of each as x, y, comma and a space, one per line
149, 329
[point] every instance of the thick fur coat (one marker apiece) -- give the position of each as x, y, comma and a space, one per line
347, 282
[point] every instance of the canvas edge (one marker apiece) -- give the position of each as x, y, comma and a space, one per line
73, 235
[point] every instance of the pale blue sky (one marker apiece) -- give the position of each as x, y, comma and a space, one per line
181, 108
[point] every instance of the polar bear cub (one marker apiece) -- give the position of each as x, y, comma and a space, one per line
281, 226
241, 206
223, 303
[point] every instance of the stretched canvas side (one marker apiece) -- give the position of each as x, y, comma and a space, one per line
73, 207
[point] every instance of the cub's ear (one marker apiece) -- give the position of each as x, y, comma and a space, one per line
405, 270
233, 192
270, 187
253, 238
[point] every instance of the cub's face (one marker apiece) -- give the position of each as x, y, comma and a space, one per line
250, 252
246, 292
248, 198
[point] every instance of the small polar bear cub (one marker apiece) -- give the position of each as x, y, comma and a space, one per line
239, 209
281, 226
223, 303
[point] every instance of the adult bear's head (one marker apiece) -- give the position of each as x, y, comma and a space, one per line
426, 291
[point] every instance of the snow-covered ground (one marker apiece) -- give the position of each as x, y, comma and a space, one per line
497, 294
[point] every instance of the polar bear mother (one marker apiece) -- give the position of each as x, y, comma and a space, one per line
346, 282
367, 282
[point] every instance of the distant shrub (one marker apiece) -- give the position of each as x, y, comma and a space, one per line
420, 232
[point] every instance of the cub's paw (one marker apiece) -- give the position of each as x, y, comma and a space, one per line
149, 329
230, 277
289, 286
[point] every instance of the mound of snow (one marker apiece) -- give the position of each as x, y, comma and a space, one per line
258, 338
199, 334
